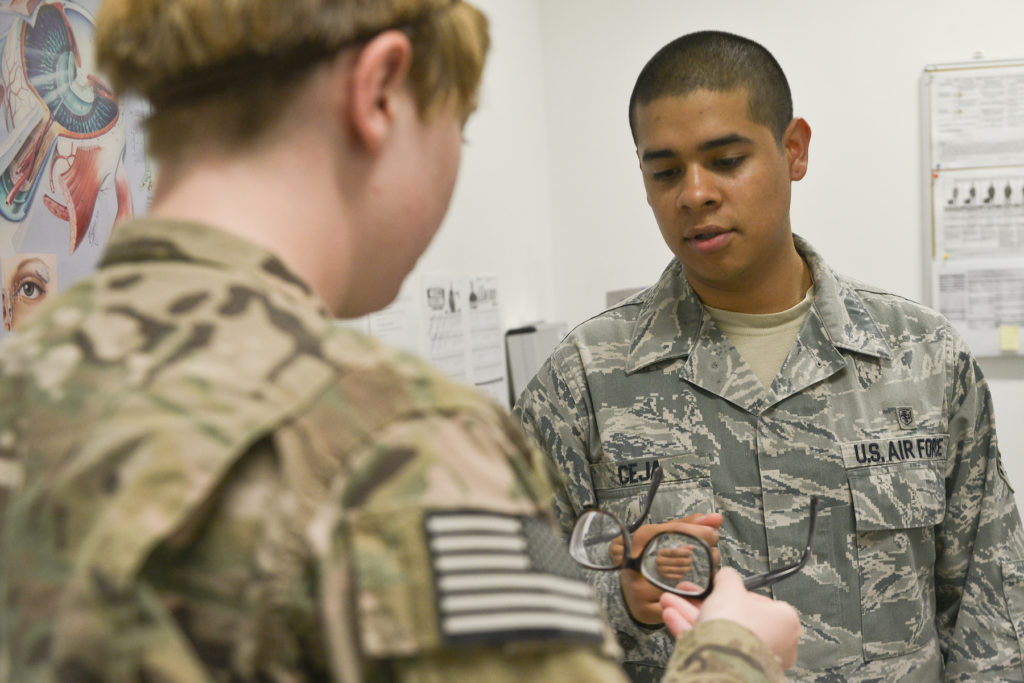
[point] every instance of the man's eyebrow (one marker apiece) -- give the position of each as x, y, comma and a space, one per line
724, 141
658, 154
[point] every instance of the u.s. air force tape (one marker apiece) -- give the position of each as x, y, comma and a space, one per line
888, 451
503, 578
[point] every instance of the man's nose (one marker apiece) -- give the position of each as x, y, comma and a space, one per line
697, 190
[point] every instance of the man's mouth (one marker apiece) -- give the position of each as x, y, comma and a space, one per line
705, 235
708, 240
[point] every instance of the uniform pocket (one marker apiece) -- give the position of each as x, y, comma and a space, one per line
1013, 593
685, 489
898, 499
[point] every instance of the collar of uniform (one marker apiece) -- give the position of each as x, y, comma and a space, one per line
671, 316
842, 312
152, 239
669, 322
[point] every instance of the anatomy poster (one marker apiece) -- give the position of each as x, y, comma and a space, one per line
72, 157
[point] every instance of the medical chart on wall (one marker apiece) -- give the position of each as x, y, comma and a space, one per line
452, 320
488, 367
72, 156
974, 125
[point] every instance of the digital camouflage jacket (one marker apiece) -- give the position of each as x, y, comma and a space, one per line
917, 571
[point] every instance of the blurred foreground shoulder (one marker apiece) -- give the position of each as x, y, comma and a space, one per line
439, 545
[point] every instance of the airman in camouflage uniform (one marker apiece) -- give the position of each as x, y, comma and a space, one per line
917, 571
208, 459
204, 477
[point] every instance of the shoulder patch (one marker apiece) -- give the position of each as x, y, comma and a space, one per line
501, 578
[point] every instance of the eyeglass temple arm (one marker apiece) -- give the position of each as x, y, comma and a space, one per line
656, 476
767, 578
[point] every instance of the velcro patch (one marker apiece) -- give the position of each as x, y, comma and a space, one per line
501, 578
904, 417
12, 474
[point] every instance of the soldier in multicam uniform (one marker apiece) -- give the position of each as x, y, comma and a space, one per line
754, 376
204, 477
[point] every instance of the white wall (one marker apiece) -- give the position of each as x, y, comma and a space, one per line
550, 196
500, 217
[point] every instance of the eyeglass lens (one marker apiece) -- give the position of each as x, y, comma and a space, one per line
678, 563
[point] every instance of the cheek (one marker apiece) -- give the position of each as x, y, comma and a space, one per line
665, 212
671, 233
756, 198
654, 198
443, 152
452, 167
776, 200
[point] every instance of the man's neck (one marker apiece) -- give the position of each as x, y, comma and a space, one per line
775, 291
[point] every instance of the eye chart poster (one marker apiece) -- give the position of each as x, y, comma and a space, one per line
974, 124
72, 156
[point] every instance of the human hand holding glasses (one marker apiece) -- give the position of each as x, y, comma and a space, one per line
680, 566
673, 564
774, 622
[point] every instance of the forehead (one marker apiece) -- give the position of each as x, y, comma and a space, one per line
681, 120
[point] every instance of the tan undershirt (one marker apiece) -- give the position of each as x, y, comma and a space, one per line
763, 339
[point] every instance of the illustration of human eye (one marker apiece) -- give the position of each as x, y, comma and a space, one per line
30, 288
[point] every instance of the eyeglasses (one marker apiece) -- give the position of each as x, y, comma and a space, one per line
675, 562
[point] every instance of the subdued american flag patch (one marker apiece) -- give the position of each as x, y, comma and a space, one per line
501, 578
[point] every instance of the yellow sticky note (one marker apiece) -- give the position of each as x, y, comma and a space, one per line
1009, 338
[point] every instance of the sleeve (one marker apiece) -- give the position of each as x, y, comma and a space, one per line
722, 651
434, 555
557, 414
718, 651
151, 588
979, 571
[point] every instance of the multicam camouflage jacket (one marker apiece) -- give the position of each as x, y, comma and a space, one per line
205, 478
917, 571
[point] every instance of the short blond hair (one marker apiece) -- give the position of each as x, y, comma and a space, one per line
220, 72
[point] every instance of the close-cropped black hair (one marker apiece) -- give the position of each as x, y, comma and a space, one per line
719, 62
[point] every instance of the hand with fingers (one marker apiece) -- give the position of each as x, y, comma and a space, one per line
674, 563
642, 598
775, 622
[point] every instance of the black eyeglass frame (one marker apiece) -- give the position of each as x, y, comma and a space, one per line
636, 563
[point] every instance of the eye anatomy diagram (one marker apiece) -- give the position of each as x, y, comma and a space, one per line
69, 151
27, 280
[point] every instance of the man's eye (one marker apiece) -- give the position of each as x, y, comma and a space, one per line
664, 175
727, 163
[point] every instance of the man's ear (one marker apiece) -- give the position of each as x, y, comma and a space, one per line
795, 142
378, 79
